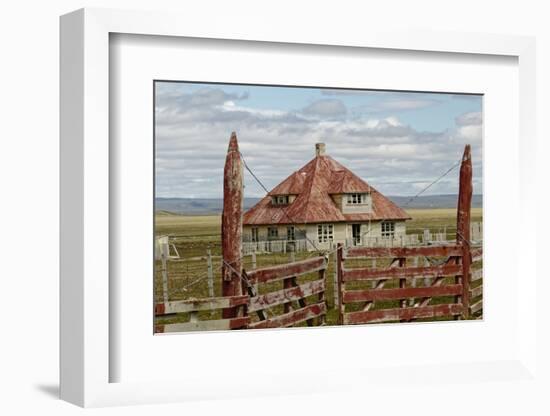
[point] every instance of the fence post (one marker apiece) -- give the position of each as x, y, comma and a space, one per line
210, 273
335, 279
253, 268
164, 276
339, 266
322, 296
413, 281
463, 225
232, 224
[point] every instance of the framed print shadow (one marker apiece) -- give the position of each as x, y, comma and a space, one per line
286, 206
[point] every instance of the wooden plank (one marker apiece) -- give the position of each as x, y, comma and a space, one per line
402, 293
434, 251
477, 254
401, 272
397, 314
287, 284
252, 291
476, 307
284, 271
478, 291
402, 282
183, 306
321, 297
213, 325
476, 275
292, 318
379, 284
286, 295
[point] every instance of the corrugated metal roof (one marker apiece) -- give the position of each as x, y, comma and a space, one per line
313, 184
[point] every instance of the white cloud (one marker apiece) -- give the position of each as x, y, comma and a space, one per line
193, 129
326, 108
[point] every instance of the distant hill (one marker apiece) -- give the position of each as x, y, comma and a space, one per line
433, 201
195, 206
206, 206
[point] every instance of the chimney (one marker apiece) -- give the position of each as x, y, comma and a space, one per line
319, 149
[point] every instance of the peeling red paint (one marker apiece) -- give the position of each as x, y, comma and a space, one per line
232, 223
313, 184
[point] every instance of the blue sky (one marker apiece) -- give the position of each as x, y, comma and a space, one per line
397, 141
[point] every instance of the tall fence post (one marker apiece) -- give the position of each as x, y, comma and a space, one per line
463, 225
210, 273
232, 224
339, 267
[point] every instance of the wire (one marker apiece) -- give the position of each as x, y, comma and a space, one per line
433, 183
303, 232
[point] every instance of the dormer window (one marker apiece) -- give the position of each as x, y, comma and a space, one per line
280, 200
355, 199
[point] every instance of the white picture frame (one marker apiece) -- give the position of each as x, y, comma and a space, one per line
86, 355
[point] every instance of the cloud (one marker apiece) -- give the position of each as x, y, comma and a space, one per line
469, 128
469, 119
193, 128
326, 108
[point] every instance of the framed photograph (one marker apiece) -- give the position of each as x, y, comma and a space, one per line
290, 208
258, 241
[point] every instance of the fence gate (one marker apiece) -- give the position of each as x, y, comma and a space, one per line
277, 307
407, 283
400, 290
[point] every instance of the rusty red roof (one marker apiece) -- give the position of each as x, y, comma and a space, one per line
313, 185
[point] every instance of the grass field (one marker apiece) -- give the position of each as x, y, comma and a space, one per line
194, 235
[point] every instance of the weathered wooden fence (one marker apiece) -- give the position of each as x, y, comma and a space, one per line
440, 289
193, 307
400, 287
292, 296
272, 308
476, 280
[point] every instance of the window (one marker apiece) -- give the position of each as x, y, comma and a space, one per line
324, 233
280, 200
255, 235
388, 230
272, 233
290, 234
355, 198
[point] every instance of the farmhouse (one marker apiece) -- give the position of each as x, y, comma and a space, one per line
321, 204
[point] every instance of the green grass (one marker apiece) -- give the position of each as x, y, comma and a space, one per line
194, 235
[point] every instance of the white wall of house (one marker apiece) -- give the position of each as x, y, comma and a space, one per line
341, 232
364, 207
341, 201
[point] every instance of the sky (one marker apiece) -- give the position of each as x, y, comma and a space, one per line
399, 142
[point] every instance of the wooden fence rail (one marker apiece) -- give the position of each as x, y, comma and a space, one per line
289, 295
291, 298
400, 284
194, 306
